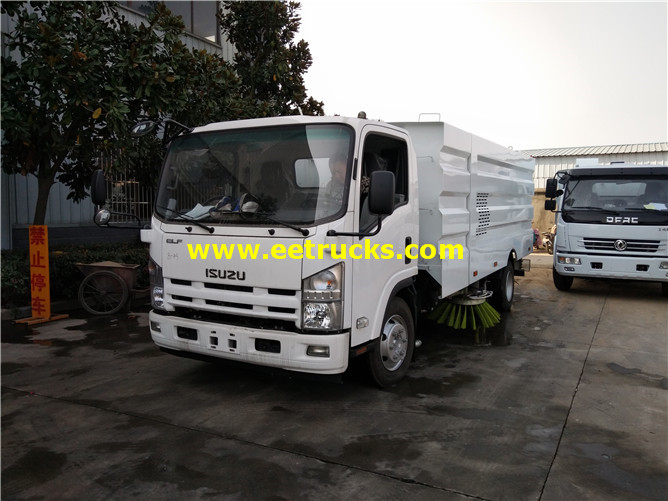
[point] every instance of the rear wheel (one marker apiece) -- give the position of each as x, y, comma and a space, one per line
393, 351
503, 288
664, 289
561, 282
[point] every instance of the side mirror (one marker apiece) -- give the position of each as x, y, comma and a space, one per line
98, 188
551, 190
381, 202
381, 193
102, 217
550, 205
146, 127
143, 128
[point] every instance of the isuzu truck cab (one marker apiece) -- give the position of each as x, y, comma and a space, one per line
612, 222
300, 242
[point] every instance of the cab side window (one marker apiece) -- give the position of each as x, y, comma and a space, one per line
383, 153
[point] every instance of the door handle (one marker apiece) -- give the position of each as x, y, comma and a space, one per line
407, 242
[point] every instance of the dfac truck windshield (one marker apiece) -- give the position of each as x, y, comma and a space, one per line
620, 199
296, 174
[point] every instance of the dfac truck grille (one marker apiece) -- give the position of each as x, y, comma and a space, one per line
620, 245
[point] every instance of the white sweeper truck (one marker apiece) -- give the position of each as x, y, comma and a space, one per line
301, 242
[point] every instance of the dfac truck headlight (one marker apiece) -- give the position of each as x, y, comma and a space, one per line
322, 302
156, 285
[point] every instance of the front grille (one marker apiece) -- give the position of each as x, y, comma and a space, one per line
277, 304
632, 246
237, 320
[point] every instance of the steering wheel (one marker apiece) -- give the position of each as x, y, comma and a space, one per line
213, 200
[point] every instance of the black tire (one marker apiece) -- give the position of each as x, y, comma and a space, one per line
500, 335
393, 351
550, 247
503, 289
561, 282
664, 289
103, 293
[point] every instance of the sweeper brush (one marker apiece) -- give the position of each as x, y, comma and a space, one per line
466, 312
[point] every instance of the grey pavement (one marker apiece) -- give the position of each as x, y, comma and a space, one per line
574, 408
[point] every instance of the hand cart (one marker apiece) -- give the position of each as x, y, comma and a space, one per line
107, 286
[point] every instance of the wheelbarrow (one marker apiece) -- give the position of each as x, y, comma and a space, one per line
107, 286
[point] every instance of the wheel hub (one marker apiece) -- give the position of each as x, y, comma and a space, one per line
509, 286
393, 343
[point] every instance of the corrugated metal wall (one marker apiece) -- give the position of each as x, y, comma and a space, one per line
547, 167
60, 211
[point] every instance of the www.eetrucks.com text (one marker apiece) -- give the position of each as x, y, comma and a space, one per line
309, 250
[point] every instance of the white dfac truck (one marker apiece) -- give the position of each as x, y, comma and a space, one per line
300, 242
612, 222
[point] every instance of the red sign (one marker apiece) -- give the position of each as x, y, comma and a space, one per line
40, 291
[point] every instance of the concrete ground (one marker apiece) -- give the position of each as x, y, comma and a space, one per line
574, 408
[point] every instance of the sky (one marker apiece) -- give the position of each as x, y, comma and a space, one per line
525, 75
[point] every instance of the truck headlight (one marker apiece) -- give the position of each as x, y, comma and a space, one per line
568, 260
322, 302
157, 290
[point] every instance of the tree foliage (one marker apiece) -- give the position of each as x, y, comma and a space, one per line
269, 62
79, 75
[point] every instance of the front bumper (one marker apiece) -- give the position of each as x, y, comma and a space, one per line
605, 266
286, 350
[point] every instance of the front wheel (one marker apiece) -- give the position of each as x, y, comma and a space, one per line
392, 354
561, 282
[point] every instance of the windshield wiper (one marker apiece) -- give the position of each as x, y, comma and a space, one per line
644, 209
597, 209
267, 217
186, 217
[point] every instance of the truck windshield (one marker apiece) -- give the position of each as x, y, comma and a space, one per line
297, 174
615, 196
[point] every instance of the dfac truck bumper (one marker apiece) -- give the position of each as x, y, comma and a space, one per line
603, 266
314, 353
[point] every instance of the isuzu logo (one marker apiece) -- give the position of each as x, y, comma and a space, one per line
225, 274
621, 220
620, 245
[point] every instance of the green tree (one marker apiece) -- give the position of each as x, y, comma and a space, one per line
78, 75
268, 61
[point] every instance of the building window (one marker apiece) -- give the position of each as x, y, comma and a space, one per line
198, 16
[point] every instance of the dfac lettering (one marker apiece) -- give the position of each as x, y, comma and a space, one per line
621, 220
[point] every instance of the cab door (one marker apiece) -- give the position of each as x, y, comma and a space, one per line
384, 265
